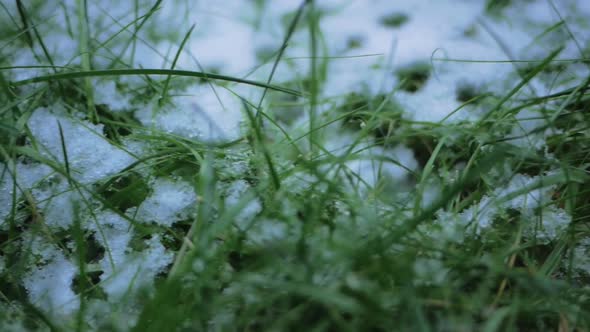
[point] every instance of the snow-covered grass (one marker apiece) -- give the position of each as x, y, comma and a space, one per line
285, 165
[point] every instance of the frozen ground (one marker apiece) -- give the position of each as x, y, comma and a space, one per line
369, 48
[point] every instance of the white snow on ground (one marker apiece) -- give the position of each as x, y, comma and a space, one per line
527, 121
50, 286
105, 92
124, 270
480, 216
113, 233
169, 202
234, 195
137, 271
377, 163
91, 157
27, 176
373, 163
207, 115
58, 204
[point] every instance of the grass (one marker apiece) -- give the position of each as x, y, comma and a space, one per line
284, 231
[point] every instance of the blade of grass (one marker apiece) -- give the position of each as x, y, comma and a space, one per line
313, 22
522, 83
428, 168
84, 48
290, 31
167, 82
126, 72
24, 20
131, 40
259, 139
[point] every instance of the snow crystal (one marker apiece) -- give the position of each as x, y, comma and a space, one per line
170, 201
90, 155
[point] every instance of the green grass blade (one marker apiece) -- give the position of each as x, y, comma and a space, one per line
290, 31
167, 82
127, 72
522, 83
259, 140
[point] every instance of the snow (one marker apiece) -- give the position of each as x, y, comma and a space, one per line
170, 201
207, 115
137, 271
105, 93
480, 216
113, 233
235, 193
373, 163
90, 155
50, 286
28, 175
125, 271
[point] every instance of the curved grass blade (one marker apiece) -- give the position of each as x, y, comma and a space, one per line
522, 83
128, 72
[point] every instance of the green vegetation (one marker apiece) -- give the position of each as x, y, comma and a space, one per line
394, 20
277, 229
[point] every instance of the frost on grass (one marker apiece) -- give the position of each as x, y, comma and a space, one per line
50, 286
170, 201
91, 157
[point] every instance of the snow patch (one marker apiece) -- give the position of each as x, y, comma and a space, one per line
91, 157
50, 286
170, 201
